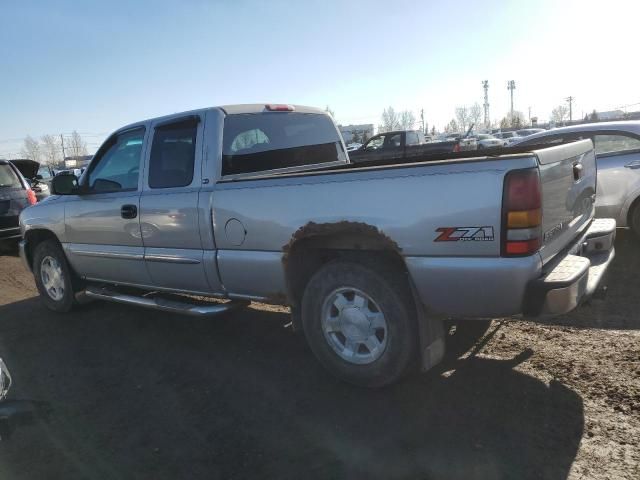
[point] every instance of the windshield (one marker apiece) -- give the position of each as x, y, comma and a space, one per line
8, 178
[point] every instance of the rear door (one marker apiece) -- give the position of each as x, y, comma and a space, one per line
13, 199
169, 215
103, 237
568, 177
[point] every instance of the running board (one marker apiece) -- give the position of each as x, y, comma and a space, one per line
164, 304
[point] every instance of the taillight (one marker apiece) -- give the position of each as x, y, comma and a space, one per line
31, 197
521, 213
279, 108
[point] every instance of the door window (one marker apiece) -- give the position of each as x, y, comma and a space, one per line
616, 144
375, 143
394, 141
117, 166
412, 138
173, 155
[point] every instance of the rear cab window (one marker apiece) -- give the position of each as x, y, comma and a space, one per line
8, 178
259, 142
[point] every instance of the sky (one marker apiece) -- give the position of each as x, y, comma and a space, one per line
95, 66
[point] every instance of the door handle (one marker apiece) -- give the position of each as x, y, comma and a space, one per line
577, 171
129, 211
633, 165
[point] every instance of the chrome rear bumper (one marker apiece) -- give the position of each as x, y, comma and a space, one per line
576, 276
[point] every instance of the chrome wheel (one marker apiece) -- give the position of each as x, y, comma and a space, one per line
52, 278
354, 326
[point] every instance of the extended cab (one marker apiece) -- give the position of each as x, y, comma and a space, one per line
260, 202
404, 145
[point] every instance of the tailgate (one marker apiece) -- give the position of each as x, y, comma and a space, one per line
568, 177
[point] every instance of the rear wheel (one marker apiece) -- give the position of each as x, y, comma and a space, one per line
53, 276
359, 322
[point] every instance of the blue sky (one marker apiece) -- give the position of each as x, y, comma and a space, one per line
93, 66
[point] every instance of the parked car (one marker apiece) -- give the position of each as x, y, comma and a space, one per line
403, 145
39, 176
525, 132
261, 202
15, 195
617, 147
508, 137
486, 140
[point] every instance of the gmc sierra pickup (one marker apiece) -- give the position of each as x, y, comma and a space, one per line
260, 202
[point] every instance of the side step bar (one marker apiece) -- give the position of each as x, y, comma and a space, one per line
164, 304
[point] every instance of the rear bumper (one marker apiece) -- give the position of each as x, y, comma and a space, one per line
572, 278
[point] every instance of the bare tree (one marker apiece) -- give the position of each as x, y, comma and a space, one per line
76, 147
475, 114
390, 121
559, 114
407, 120
505, 123
462, 117
31, 149
50, 149
451, 127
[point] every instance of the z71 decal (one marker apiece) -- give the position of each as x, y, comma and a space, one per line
464, 234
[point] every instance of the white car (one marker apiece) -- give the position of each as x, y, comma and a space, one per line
508, 137
486, 140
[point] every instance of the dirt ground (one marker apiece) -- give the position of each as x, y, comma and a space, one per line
140, 394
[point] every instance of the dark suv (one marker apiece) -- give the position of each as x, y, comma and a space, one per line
15, 196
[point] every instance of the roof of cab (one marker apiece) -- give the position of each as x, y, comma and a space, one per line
227, 109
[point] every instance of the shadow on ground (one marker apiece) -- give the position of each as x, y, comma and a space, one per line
139, 394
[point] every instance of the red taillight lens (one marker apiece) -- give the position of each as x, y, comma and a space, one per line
456, 148
31, 197
272, 107
522, 213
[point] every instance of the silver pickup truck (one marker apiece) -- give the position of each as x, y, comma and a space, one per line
260, 202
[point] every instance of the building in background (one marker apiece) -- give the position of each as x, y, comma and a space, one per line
356, 133
79, 161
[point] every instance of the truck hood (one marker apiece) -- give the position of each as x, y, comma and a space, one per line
28, 168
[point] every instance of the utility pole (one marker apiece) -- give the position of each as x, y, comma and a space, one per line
422, 119
570, 99
511, 85
62, 143
485, 85
529, 115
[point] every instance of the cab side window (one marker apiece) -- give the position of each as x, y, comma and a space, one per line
173, 154
117, 166
618, 143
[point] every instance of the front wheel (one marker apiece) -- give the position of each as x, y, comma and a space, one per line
359, 322
53, 277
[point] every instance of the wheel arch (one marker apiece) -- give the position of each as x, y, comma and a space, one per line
316, 244
33, 238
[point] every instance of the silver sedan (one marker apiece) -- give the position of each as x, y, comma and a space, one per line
617, 147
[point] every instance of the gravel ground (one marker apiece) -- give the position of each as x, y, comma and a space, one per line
140, 394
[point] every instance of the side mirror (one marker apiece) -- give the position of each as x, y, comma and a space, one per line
64, 184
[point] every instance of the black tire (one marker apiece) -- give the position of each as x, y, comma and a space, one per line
462, 335
50, 249
634, 220
388, 289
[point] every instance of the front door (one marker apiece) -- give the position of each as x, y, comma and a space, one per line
103, 237
169, 210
